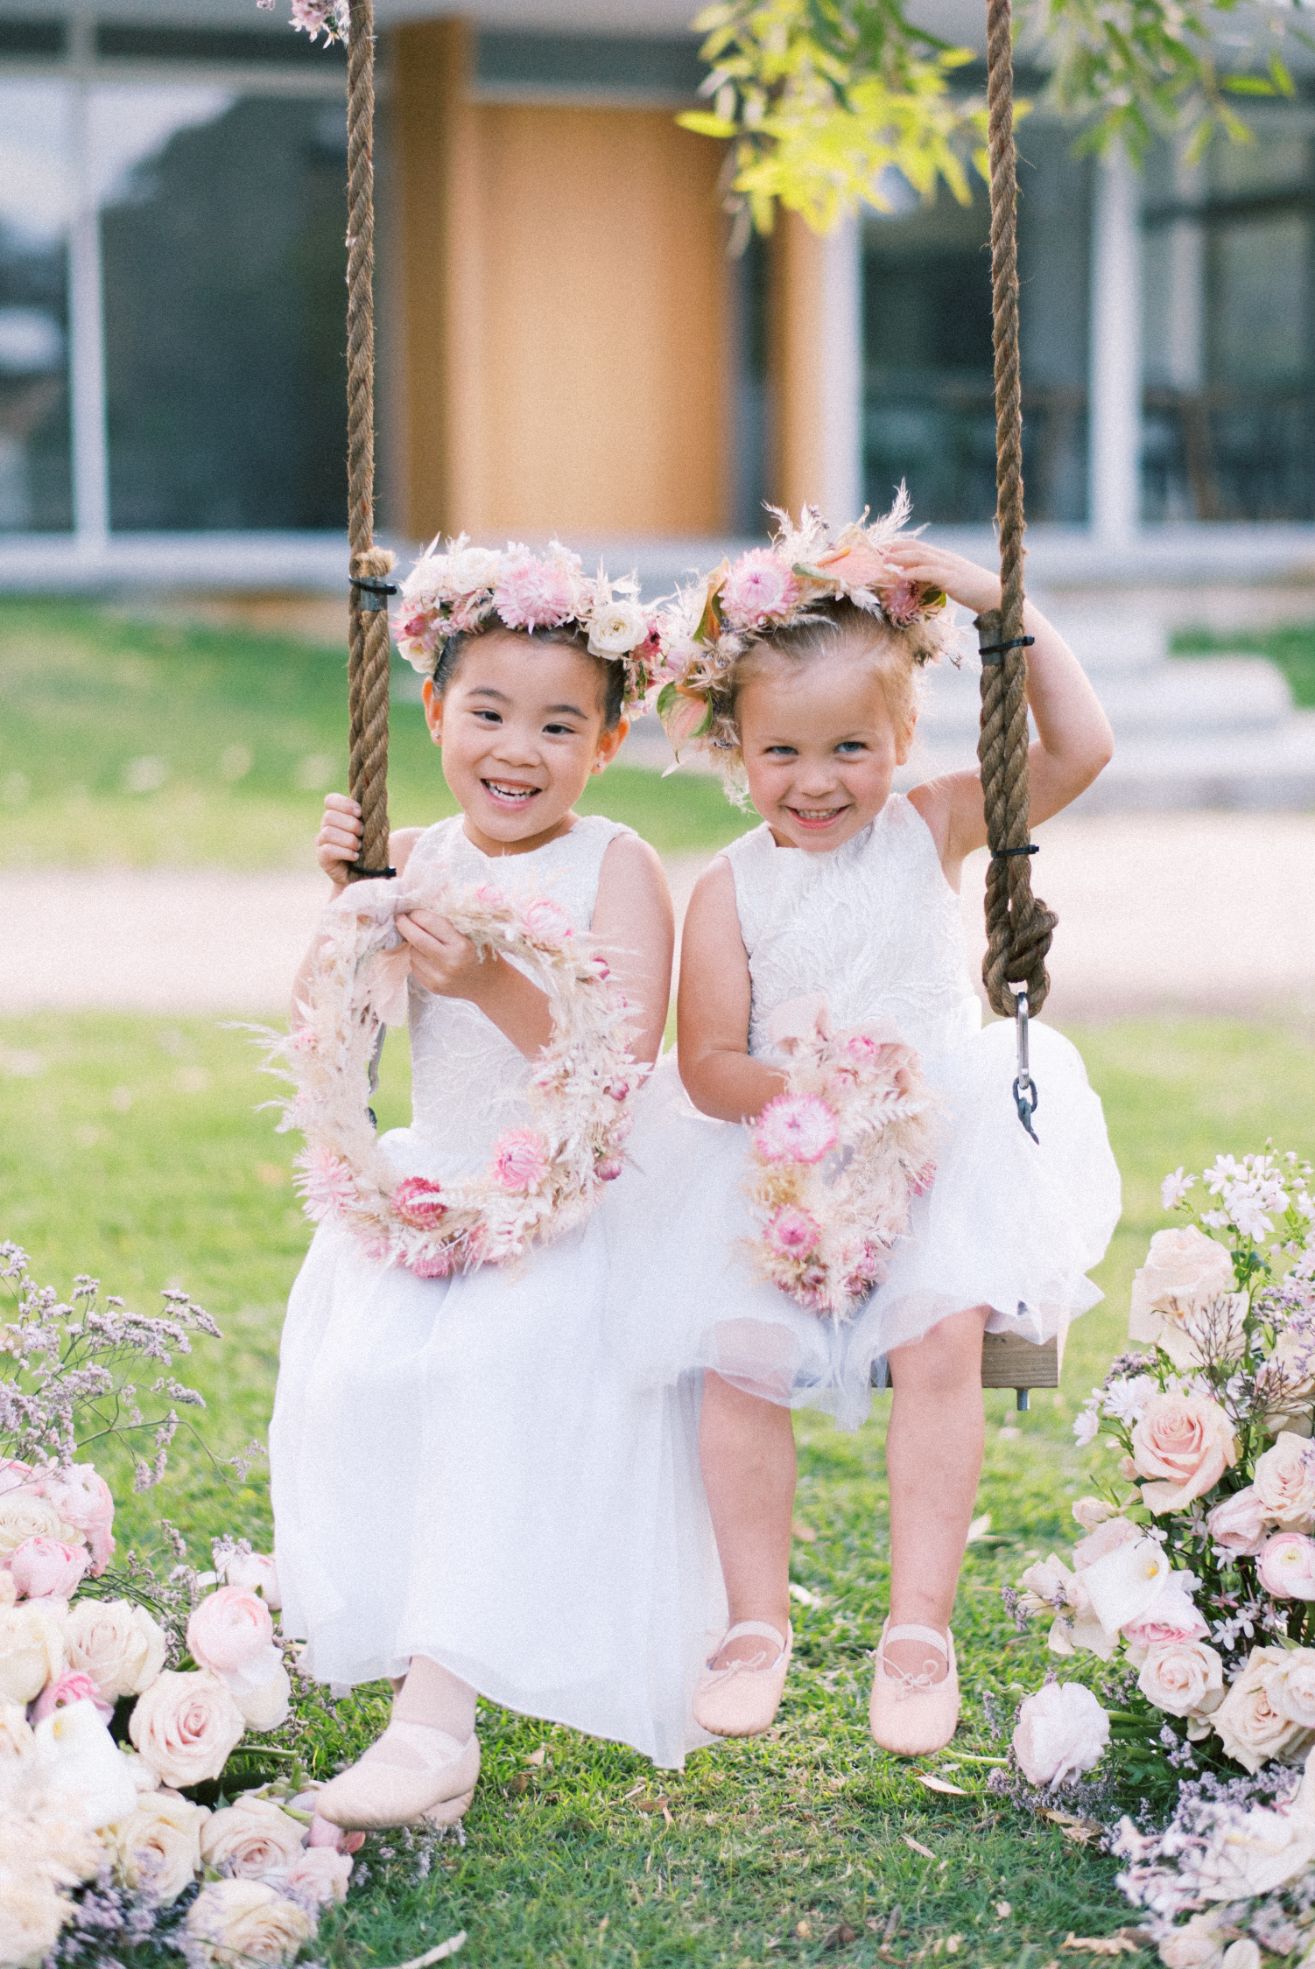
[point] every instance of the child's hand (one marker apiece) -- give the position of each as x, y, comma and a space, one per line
338, 843
442, 960
976, 588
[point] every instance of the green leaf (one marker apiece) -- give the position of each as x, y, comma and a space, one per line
705, 124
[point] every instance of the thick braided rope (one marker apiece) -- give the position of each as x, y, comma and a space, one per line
1018, 925
368, 650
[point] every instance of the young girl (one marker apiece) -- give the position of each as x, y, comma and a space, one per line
799, 664
465, 1499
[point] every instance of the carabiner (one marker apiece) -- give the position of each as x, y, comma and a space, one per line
1026, 1097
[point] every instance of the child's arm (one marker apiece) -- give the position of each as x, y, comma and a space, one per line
1074, 742
634, 923
712, 1016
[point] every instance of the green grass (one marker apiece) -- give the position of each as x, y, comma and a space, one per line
149, 743
1292, 647
132, 1149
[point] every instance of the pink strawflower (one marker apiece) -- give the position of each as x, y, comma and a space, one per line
759, 588
520, 1160
860, 1047
434, 1263
796, 1128
793, 1232
547, 922
71, 1686
536, 594
328, 1184
902, 604
47, 1568
419, 1202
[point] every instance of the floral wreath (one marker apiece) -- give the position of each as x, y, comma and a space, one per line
706, 627
541, 1179
836, 1161
455, 589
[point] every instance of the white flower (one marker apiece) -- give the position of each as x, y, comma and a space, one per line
158, 1844
254, 1572
78, 1763
246, 1921
16, 1745
1092, 1512
32, 1912
1255, 1853
1086, 1427
1127, 1395
616, 627
120, 1645
262, 1692
251, 1838
31, 1649
469, 570
1175, 1187
186, 1726
1126, 1582
1061, 1732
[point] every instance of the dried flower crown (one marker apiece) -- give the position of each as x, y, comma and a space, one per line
705, 628
455, 589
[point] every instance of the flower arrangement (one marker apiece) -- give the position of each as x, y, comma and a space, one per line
836, 1161
455, 589
1194, 1580
132, 1707
704, 629
316, 17
542, 1178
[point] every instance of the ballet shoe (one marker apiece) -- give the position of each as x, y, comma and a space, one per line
413, 1772
912, 1715
741, 1699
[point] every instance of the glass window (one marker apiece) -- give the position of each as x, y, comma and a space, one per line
928, 412
36, 485
1229, 329
221, 240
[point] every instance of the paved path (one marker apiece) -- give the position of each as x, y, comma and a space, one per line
1193, 911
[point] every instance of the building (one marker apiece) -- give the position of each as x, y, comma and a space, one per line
565, 343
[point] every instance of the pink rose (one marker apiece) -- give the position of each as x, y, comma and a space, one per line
84, 1500
796, 1128
793, 1231
318, 1874
47, 1568
547, 922
229, 1630
536, 594
13, 1474
186, 1727
1285, 1481
419, 1202
520, 1160
1241, 1523
1181, 1446
71, 1686
758, 588
1169, 1621
1287, 1566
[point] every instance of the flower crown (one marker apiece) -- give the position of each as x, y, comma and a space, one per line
455, 589
704, 629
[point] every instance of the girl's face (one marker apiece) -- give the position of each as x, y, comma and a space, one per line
521, 727
820, 747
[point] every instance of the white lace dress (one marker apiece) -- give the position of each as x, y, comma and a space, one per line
874, 928
458, 1469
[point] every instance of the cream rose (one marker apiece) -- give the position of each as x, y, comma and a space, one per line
1185, 1300
32, 1912
1284, 1481
31, 1649
1292, 1686
617, 628
158, 1845
1240, 1524
24, 1514
1181, 1446
1286, 1383
1061, 1731
1196, 1945
1249, 1726
186, 1726
319, 1874
121, 1646
1184, 1678
247, 1921
251, 1838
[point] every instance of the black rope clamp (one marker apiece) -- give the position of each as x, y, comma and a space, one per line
369, 874
1006, 854
372, 595
1026, 1098
995, 652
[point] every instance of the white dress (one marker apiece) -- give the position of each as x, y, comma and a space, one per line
458, 1469
874, 928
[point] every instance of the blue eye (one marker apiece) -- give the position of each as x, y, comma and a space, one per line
781, 751
851, 745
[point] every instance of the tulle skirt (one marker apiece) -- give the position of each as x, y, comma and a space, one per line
1009, 1223
460, 1471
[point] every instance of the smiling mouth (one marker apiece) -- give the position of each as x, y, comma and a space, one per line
817, 816
508, 794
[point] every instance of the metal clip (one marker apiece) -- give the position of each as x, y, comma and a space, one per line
1026, 1098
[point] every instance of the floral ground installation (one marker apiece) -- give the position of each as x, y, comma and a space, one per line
1191, 1594
154, 1726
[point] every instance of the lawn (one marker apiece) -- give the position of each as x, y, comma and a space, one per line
152, 743
1291, 647
132, 1149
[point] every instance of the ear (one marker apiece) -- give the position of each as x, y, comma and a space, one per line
433, 704
609, 744
904, 742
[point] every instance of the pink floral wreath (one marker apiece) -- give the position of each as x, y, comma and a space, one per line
542, 1178
837, 1160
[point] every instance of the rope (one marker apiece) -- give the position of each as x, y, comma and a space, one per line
1018, 925
367, 628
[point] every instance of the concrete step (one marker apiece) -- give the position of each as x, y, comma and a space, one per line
1179, 697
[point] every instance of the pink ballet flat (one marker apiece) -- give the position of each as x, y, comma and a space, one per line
412, 1772
909, 1714
741, 1699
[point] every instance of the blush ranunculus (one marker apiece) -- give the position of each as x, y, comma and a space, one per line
547, 922
84, 1500
254, 1572
796, 1128
1061, 1732
1286, 1566
72, 1686
229, 1630
47, 1568
1181, 1445
520, 1160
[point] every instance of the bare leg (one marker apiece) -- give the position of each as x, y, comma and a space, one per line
933, 1460
434, 1696
747, 1450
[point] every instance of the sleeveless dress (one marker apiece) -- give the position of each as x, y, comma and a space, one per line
457, 1468
874, 929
